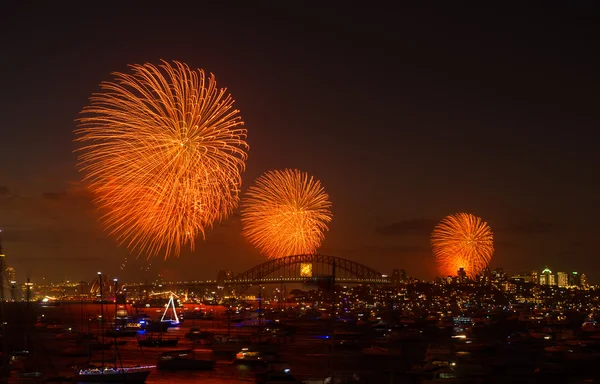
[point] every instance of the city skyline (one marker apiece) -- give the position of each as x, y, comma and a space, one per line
402, 119
535, 276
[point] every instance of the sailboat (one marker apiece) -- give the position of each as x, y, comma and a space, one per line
173, 319
111, 374
151, 340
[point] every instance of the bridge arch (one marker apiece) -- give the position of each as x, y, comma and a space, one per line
359, 271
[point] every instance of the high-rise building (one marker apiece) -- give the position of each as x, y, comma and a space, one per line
547, 277
535, 277
574, 279
462, 275
499, 276
395, 277
11, 274
403, 276
563, 279
584, 282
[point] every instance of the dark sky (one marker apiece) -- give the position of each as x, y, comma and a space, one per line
405, 114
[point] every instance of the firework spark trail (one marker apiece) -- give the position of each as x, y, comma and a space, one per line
286, 213
163, 151
464, 241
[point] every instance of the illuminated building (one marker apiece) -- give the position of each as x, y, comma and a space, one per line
498, 276
535, 276
547, 277
526, 277
462, 276
486, 276
584, 283
575, 279
11, 274
563, 279
399, 276
403, 276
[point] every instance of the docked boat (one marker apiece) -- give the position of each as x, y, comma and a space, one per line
121, 332
557, 348
196, 334
380, 351
250, 358
450, 376
181, 360
590, 325
112, 375
230, 345
101, 346
26, 378
155, 326
76, 350
159, 340
276, 377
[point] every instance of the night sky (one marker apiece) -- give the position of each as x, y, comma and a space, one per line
405, 115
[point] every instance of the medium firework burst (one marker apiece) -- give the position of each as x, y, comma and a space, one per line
464, 241
163, 150
286, 213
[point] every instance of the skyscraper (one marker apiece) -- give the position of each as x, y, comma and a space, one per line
584, 282
563, 279
403, 276
547, 277
535, 277
462, 275
574, 279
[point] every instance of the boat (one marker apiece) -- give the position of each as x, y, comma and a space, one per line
151, 340
347, 339
155, 326
429, 366
250, 358
557, 348
121, 332
437, 351
101, 346
276, 377
74, 335
590, 326
450, 376
75, 350
196, 333
380, 351
137, 374
111, 374
229, 345
26, 378
185, 359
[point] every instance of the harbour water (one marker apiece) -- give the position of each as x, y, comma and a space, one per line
308, 352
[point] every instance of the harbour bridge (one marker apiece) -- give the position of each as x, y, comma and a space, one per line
308, 269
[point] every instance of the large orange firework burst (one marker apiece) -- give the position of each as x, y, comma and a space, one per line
286, 213
163, 151
464, 241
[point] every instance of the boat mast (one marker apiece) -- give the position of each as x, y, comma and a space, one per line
101, 320
333, 316
115, 341
5, 358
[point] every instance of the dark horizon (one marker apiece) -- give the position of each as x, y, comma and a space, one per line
404, 116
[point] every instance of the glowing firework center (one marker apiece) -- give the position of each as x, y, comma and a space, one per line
306, 270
